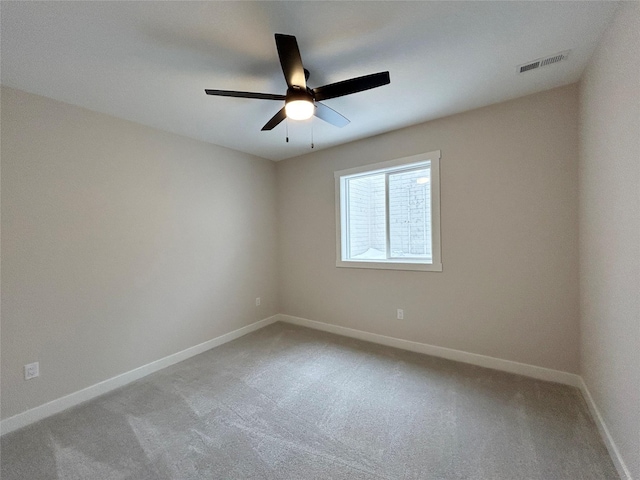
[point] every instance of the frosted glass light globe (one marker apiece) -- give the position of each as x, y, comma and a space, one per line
299, 109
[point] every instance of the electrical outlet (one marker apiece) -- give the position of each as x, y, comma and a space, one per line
31, 371
258, 302
400, 314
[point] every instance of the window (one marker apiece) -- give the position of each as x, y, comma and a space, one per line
388, 214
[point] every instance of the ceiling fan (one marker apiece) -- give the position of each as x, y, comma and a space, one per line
300, 101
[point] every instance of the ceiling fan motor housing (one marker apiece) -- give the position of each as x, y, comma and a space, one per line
298, 93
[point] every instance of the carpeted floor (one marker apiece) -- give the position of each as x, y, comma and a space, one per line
287, 402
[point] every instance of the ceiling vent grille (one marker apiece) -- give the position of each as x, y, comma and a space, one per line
543, 62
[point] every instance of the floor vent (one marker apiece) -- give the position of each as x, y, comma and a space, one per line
543, 62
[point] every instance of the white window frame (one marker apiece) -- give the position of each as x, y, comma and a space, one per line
395, 264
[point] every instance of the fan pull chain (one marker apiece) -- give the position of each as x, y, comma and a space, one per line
286, 123
311, 134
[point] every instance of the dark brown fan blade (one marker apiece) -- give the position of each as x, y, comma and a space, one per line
353, 85
329, 115
290, 60
233, 93
275, 120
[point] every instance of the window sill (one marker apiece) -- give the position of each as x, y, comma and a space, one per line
422, 267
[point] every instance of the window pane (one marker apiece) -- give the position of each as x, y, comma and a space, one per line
367, 217
410, 213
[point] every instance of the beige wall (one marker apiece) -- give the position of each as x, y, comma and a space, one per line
509, 287
610, 231
121, 245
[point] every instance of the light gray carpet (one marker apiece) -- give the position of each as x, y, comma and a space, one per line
292, 403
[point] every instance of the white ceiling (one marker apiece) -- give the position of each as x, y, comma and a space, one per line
150, 62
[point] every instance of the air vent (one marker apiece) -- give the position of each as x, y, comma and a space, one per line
529, 66
543, 62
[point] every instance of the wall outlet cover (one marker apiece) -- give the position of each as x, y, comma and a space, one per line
31, 370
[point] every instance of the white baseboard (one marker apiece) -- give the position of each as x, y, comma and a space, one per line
623, 471
55, 406
533, 371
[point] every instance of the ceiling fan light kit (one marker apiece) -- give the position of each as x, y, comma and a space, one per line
298, 104
299, 109
302, 102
